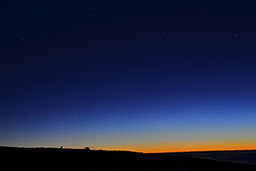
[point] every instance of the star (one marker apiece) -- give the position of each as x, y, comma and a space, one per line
22, 39
93, 8
74, 118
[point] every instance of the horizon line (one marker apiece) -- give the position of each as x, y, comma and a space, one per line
160, 152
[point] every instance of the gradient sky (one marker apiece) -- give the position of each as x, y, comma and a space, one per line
151, 76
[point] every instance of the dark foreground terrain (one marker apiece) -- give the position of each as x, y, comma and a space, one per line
49, 159
244, 156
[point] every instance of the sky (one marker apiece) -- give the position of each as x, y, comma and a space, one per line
148, 76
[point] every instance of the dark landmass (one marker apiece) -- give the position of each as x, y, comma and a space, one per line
70, 159
242, 156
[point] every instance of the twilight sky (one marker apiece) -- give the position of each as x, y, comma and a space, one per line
149, 76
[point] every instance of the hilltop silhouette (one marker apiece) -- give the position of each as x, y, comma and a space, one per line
86, 159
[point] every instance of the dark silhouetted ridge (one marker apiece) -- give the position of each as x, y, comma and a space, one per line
71, 159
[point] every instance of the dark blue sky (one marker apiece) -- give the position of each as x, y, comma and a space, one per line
118, 74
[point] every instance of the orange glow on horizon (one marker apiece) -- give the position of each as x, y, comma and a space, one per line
186, 146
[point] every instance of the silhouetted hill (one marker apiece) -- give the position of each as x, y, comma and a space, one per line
70, 159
